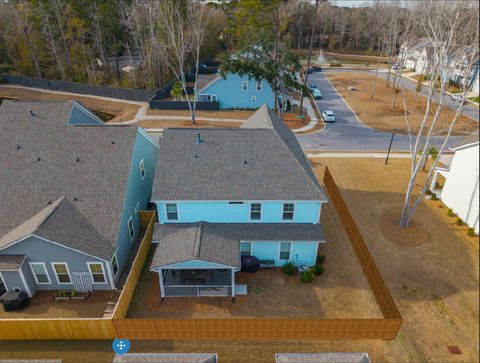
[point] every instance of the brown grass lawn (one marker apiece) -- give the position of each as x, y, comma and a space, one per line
377, 112
42, 305
122, 111
434, 284
231, 114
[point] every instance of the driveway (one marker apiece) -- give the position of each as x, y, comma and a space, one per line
348, 133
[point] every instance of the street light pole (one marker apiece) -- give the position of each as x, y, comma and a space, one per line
390, 146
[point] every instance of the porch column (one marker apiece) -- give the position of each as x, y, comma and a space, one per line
162, 288
233, 282
434, 180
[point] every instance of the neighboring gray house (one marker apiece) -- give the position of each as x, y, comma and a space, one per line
71, 188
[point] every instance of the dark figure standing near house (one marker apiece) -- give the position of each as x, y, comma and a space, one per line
289, 106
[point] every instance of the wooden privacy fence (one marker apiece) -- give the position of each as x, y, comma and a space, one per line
148, 219
255, 328
372, 274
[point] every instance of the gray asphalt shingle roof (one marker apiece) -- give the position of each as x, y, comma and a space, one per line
322, 358
220, 242
11, 262
467, 140
42, 160
260, 161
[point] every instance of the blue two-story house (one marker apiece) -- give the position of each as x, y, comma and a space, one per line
226, 193
71, 189
238, 92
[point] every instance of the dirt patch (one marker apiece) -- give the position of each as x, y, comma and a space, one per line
160, 124
413, 236
121, 111
293, 121
378, 113
42, 305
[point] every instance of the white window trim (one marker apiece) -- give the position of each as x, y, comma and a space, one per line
244, 83
251, 247
293, 215
141, 165
133, 227
35, 275
111, 264
259, 219
166, 213
254, 99
261, 86
3, 280
136, 208
280, 251
103, 271
56, 274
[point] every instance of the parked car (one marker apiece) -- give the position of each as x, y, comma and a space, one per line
313, 86
328, 116
316, 93
456, 97
314, 69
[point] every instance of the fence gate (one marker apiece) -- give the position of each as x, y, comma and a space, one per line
82, 281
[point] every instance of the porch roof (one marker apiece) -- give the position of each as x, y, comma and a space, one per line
11, 262
220, 242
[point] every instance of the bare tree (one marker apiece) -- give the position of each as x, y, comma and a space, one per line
453, 30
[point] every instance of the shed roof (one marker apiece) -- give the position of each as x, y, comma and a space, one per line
43, 160
260, 161
220, 242
165, 358
322, 358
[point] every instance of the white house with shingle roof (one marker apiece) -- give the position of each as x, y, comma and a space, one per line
222, 194
460, 190
71, 191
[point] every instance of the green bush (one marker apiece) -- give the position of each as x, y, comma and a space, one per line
317, 269
320, 259
450, 212
307, 276
471, 232
434, 196
459, 222
288, 268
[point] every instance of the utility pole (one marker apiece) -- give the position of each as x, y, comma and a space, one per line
309, 54
390, 146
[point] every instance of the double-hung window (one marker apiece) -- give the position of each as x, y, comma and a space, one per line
114, 264
285, 250
255, 211
245, 249
62, 272
288, 209
40, 273
259, 85
141, 165
172, 211
245, 85
131, 229
97, 273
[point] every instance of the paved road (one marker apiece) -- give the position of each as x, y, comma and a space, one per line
347, 133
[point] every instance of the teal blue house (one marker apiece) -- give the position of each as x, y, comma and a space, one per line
222, 194
238, 92
71, 191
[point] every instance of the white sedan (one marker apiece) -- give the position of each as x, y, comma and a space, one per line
328, 116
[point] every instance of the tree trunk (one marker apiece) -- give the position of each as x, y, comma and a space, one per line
33, 53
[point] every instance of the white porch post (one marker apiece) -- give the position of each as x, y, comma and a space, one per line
233, 282
434, 180
162, 288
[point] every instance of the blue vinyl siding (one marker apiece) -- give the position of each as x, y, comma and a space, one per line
39, 250
300, 251
13, 280
223, 212
230, 94
138, 191
82, 116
